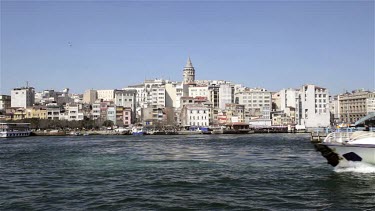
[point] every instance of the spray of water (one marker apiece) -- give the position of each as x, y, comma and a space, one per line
357, 167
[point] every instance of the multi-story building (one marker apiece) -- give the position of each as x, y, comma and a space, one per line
141, 94
103, 110
195, 115
90, 96
257, 102
5, 102
95, 112
37, 112
287, 104
119, 116
111, 113
225, 95
288, 98
127, 117
353, 106
173, 93
199, 91
334, 109
276, 101
19, 113
370, 103
234, 113
158, 97
99, 110
73, 113
213, 95
280, 118
53, 111
106, 94
313, 107
126, 98
22, 97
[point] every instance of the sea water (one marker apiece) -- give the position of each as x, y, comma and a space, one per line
206, 172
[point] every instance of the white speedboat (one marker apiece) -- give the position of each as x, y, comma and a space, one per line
345, 146
8, 130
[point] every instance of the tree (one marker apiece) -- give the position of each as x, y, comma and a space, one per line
107, 123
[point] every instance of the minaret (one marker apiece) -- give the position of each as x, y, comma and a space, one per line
189, 72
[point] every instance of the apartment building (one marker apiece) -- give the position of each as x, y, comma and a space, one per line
258, 102
23, 97
5, 102
353, 105
195, 115
312, 107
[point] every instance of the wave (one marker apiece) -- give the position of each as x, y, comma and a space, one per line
356, 167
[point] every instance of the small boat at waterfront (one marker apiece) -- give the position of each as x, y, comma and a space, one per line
356, 146
74, 133
8, 130
138, 131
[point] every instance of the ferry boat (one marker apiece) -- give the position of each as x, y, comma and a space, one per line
8, 130
356, 146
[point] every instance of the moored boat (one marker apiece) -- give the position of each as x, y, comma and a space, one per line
341, 147
138, 130
8, 130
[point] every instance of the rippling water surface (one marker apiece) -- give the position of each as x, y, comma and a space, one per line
209, 172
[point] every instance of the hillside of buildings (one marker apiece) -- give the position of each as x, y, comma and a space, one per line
191, 102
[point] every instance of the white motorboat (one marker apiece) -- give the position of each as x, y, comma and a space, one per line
8, 130
349, 146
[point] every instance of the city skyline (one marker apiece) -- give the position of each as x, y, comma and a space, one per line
273, 45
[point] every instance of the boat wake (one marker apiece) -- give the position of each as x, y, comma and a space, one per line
356, 167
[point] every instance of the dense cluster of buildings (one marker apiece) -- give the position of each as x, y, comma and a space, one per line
191, 103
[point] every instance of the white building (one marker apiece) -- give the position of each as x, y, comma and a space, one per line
195, 115
225, 95
157, 95
95, 112
288, 98
106, 95
126, 98
199, 91
313, 107
73, 113
141, 94
53, 111
174, 91
22, 97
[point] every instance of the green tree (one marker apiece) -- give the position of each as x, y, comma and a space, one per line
107, 123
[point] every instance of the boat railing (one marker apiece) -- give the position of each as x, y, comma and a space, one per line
345, 137
362, 134
338, 137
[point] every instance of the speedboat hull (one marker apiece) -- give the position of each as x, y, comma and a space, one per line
354, 153
345, 147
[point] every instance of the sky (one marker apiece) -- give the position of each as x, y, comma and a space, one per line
113, 44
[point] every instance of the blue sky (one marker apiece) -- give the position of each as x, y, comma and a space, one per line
270, 44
